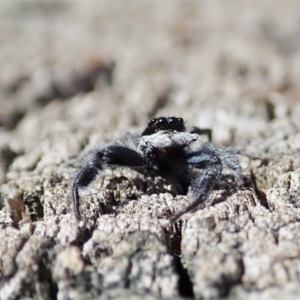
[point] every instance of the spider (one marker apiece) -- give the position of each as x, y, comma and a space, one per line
166, 145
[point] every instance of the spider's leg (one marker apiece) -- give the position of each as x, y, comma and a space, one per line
229, 160
112, 154
202, 131
201, 186
237, 151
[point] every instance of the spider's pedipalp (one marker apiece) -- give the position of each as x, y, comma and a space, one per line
165, 140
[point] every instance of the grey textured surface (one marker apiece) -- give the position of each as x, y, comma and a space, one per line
75, 75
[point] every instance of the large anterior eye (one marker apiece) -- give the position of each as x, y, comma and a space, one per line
173, 120
162, 120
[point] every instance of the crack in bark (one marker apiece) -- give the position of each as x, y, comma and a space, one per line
185, 285
261, 196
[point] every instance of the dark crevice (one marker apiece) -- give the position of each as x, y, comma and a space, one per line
185, 285
18, 249
128, 272
1, 201
34, 206
40, 282
94, 76
261, 196
84, 235
16, 84
45, 274
10, 120
270, 109
229, 282
275, 234
226, 282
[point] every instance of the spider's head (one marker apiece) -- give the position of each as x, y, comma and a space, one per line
172, 124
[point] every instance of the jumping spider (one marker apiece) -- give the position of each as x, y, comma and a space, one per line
165, 144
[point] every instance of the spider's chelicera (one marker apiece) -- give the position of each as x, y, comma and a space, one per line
166, 144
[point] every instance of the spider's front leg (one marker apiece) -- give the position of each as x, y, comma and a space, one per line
113, 154
211, 158
201, 131
201, 186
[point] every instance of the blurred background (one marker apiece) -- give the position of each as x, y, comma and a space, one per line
99, 69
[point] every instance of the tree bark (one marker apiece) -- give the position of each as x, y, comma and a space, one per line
241, 243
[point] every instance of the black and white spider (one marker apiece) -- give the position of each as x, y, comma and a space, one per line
165, 144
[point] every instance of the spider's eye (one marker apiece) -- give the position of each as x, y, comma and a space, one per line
180, 120
162, 120
173, 120
152, 122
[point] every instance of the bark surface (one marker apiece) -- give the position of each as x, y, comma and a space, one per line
75, 76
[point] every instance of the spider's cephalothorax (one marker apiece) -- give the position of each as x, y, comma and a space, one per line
164, 143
